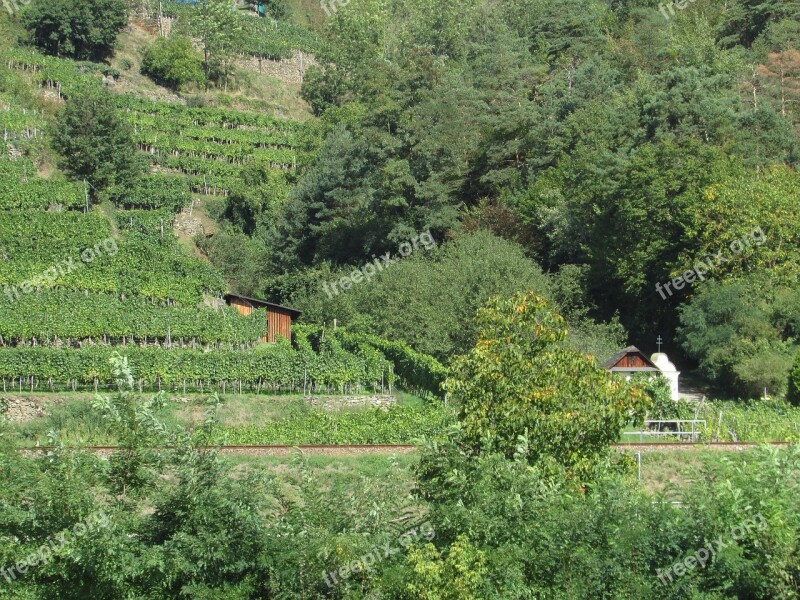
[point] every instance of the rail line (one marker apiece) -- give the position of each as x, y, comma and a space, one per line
285, 449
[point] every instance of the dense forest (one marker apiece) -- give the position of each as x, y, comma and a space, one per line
589, 151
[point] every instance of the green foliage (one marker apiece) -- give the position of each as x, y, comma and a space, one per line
79, 29
794, 381
758, 209
415, 371
152, 192
256, 201
240, 257
273, 366
546, 537
66, 317
753, 421
134, 426
174, 62
23, 190
523, 394
394, 425
742, 336
657, 389
449, 284
142, 264
214, 23
275, 39
58, 76
456, 576
218, 150
94, 143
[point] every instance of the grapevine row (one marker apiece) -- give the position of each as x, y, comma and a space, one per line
273, 366
154, 191
148, 265
58, 74
417, 372
164, 144
62, 317
173, 117
253, 136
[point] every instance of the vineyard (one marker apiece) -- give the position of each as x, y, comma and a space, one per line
152, 192
58, 75
262, 37
143, 263
273, 368
22, 190
67, 318
395, 425
266, 38
120, 281
209, 145
19, 123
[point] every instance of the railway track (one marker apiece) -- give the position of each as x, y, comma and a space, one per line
349, 449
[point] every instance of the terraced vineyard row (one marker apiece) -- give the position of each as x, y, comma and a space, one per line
173, 117
61, 75
274, 366
264, 37
65, 317
17, 123
22, 189
138, 264
209, 145
160, 145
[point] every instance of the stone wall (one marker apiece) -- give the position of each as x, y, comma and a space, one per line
288, 70
21, 408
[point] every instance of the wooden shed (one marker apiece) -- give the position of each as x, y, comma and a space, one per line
630, 360
279, 318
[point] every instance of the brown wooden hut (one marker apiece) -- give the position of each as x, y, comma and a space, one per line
630, 360
279, 318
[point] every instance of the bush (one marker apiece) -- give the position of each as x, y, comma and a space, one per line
278, 9
174, 63
79, 29
521, 393
793, 395
94, 142
739, 339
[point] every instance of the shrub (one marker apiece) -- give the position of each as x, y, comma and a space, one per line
79, 29
519, 384
94, 142
794, 381
174, 63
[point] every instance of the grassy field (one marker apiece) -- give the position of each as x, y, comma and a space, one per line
289, 419
663, 472
250, 419
733, 421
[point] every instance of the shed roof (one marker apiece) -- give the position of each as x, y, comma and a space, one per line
612, 362
265, 304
